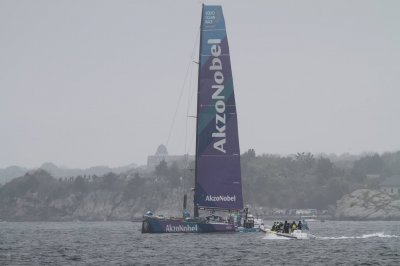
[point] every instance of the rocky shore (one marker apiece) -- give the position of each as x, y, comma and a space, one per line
367, 204
38, 196
100, 205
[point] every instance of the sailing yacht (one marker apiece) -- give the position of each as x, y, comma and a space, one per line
218, 185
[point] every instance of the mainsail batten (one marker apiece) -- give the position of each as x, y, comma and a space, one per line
218, 175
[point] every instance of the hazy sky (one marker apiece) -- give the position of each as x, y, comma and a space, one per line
86, 83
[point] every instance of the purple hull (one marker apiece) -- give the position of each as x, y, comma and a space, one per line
155, 225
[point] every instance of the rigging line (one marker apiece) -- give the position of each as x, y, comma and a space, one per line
187, 110
183, 86
193, 133
192, 91
191, 141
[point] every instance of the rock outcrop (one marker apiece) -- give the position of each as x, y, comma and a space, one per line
366, 204
37, 196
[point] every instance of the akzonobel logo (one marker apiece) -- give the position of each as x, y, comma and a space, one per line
221, 198
181, 228
218, 95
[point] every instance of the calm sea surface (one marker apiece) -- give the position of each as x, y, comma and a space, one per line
121, 243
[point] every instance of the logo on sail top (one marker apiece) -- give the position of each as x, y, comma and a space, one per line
219, 134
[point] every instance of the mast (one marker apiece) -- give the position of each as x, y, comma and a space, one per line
195, 206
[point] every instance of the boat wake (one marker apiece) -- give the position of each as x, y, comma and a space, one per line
381, 234
275, 237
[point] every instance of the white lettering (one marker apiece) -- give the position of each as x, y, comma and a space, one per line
220, 118
181, 228
220, 107
215, 50
214, 41
219, 145
219, 77
216, 95
216, 64
219, 135
221, 198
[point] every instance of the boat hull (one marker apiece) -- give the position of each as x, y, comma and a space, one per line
248, 230
154, 225
297, 234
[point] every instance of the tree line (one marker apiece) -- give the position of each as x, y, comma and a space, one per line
302, 180
307, 181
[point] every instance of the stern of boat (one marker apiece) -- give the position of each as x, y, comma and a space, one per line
146, 226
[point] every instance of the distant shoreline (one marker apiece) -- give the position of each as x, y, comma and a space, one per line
266, 218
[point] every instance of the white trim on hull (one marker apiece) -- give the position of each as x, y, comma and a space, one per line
296, 234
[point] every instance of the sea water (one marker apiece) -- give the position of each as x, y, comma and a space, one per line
121, 243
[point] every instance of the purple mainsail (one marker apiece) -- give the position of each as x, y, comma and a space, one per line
218, 178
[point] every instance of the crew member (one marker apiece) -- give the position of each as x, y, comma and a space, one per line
299, 225
293, 226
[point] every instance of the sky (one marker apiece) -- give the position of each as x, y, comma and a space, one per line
86, 83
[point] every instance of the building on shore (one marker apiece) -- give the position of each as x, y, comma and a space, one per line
162, 155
